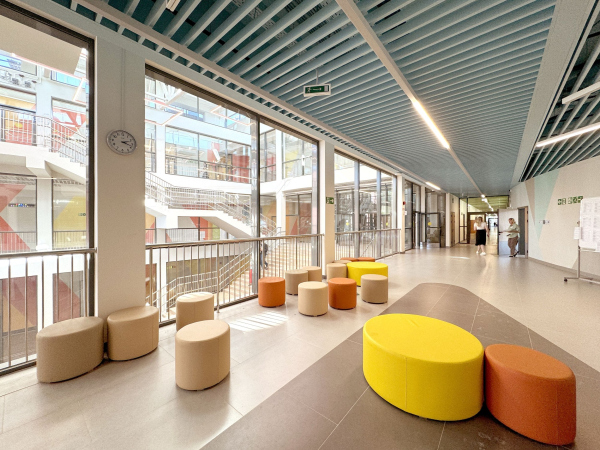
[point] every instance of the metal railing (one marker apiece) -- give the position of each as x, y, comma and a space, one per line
227, 268
29, 129
236, 206
39, 289
69, 239
188, 167
372, 243
17, 241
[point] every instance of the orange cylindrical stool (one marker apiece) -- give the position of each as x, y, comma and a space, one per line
271, 291
365, 259
531, 393
342, 293
350, 259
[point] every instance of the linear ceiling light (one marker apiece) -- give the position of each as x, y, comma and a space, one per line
581, 93
437, 188
429, 122
570, 134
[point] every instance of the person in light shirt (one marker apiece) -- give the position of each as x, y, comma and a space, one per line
512, 232
481, 231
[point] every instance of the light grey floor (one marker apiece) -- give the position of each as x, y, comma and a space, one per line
136, 404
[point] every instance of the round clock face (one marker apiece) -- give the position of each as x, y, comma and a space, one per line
121, 142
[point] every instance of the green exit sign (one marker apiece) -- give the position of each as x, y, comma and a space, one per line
329, 200
317, 89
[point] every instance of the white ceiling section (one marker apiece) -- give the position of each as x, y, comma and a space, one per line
473, 65
37, 46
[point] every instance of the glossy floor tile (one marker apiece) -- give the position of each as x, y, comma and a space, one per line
136, 404
335, 388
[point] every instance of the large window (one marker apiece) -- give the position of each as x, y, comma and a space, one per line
297, 156
344, 192
46, 196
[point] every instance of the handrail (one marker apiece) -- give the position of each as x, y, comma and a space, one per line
229, 241
47, 253
366, 231
180, 197
30, 129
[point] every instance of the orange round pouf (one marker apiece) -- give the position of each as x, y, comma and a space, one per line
271, 291
350, 259
365, 259
531, 393
342, 293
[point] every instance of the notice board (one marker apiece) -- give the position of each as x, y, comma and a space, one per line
589, 222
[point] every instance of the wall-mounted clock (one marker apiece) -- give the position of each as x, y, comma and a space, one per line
121, 142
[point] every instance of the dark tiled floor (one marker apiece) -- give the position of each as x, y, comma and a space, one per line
330, 405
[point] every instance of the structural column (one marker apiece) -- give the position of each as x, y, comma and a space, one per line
119, 181
44, 217
327, 211
401, 213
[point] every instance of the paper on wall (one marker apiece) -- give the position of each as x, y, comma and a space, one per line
589, 234
577, 233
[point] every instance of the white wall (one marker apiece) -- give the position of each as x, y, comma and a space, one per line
119, 218
553, 242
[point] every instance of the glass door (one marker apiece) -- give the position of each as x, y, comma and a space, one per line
416, 228
433, 229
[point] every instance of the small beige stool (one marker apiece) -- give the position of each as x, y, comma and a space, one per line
374, 288
69, 348
314, 273
336, 270
293, 278
132, 332
312, 298
194, 307
202, 354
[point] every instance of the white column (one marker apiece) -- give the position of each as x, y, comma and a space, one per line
327, 212
279, 194
448, 221
44, 214
119, 218
160, 149
401, 216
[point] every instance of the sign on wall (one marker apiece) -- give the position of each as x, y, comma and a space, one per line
569, 200
329, 200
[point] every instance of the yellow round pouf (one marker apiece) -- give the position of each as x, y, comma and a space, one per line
424, 366
358, 269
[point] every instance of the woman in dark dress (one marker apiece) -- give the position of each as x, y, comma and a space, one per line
481, 231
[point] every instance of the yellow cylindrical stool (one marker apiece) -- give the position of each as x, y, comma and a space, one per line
314, 273
335, 270
293, 278
312, 298
202, 354
374, 288
194, 307
424, 366
358, 269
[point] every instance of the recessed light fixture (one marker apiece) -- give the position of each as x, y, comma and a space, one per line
429, 122
437, 188
482, 195
565, 136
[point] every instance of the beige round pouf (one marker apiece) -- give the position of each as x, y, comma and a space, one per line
312, 298
69, 348
202, 354
336, 270
374, 288
293, 278
132, 332
194, 307
314, 273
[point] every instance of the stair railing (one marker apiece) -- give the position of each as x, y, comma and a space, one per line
30, 129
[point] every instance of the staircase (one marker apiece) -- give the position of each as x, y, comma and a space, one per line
225, 210
17, 127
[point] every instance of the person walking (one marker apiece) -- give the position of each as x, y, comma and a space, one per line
481, 231
512, 232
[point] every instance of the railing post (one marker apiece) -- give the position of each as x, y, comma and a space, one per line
218, 278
